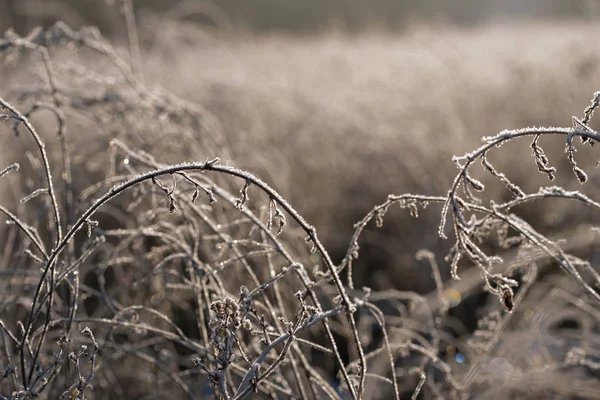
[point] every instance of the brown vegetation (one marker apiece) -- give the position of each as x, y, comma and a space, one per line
146, 268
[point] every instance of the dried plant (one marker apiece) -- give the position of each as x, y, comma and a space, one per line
199, 279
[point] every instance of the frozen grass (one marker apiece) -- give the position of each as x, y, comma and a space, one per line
136, 264
366, 114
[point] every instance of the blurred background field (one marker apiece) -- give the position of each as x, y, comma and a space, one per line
294, 17
337, 104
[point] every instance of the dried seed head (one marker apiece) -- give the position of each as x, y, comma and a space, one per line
580, 174
507, 297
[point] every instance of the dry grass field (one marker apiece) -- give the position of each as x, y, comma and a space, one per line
336, 215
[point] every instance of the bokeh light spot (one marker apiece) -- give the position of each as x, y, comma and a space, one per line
453, 296
529, 314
